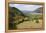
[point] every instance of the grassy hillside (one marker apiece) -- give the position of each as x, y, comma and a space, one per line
15, 17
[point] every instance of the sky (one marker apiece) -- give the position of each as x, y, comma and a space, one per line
27, 7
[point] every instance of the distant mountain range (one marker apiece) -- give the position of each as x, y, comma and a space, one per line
39, 10
17, 11
24, 11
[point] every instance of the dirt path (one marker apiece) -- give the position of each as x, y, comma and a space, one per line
30, 24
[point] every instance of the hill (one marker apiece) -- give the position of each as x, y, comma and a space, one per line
39, 10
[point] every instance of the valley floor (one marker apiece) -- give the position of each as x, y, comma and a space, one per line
30, 24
